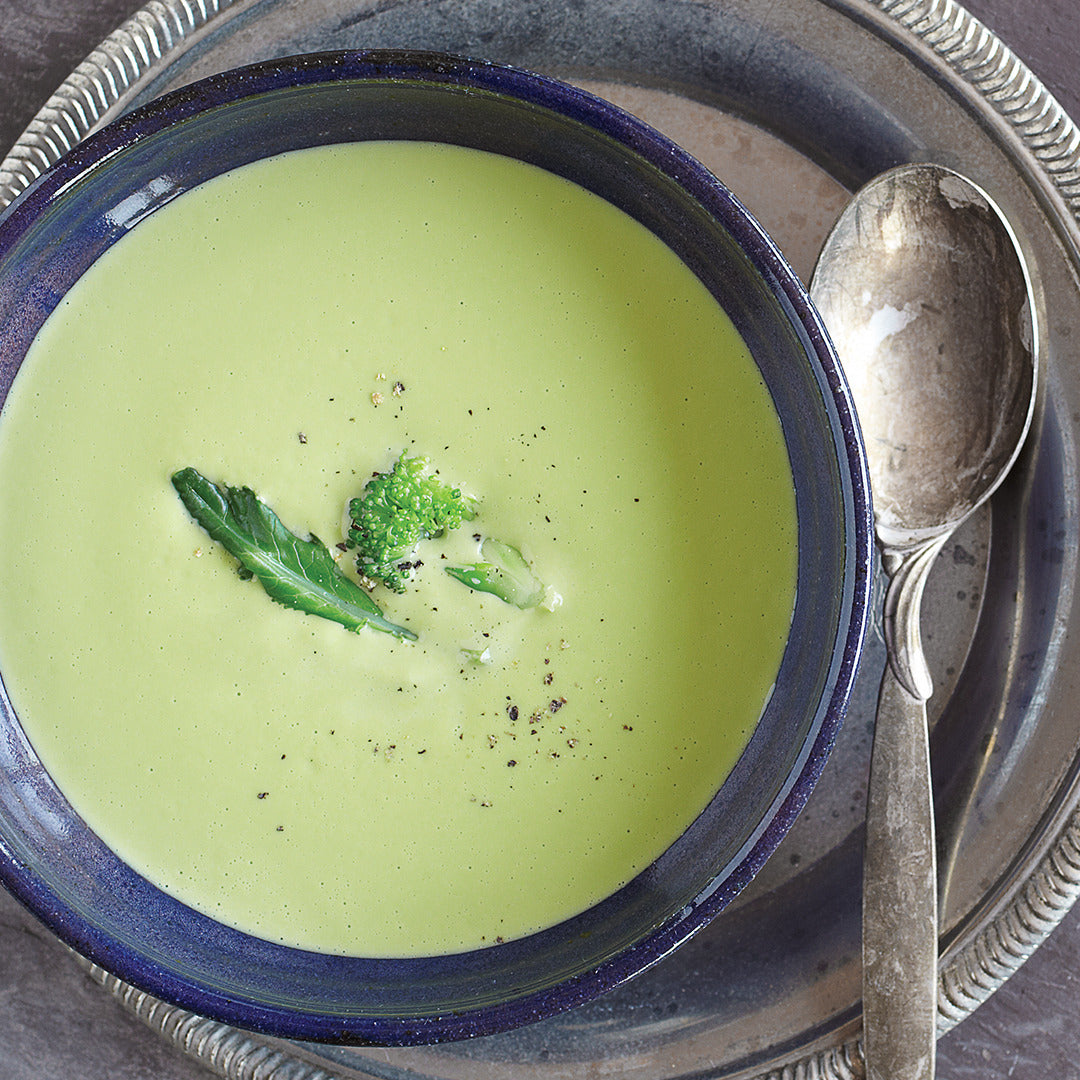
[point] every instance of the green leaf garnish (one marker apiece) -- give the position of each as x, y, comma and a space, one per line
298, 573
505, 573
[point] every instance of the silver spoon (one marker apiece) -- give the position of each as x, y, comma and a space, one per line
924, 292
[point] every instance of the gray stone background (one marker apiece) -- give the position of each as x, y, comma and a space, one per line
55, 1024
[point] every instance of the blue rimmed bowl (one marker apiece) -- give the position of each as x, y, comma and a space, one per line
55, 230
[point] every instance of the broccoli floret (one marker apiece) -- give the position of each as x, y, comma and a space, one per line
397, 510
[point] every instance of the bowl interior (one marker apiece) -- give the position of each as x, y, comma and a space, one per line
59, 227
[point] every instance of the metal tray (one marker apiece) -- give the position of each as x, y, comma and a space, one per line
793, 105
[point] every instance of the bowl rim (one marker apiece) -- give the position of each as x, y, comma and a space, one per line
580, 106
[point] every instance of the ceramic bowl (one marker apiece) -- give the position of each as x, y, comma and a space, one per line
58, 868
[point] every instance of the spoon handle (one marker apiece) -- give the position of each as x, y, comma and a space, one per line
900, 946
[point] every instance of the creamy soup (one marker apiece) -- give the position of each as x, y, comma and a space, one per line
292, 326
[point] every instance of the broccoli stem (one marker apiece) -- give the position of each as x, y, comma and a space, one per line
505, 573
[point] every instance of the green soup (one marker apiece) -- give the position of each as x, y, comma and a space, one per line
292, 326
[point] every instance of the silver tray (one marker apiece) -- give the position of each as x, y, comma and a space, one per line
793, 105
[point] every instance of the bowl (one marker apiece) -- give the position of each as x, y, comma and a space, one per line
62, 871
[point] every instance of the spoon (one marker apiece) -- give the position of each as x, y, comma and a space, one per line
924, 292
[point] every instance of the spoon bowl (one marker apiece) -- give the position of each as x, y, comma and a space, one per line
924, 291
937, 340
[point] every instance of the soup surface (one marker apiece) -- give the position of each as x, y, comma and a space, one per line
293, 326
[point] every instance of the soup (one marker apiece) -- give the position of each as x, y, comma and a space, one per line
293, 326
